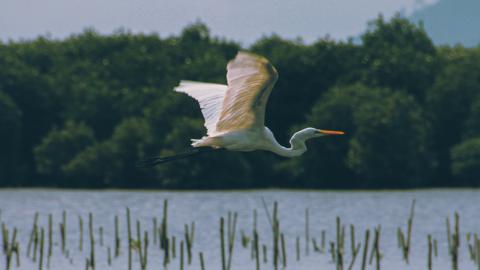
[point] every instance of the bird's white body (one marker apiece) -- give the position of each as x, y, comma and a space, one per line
234, 114
251, 140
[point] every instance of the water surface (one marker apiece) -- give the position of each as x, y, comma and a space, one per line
364, 209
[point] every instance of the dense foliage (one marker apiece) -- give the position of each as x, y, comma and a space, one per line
80, 112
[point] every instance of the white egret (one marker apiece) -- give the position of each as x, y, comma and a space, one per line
235, 113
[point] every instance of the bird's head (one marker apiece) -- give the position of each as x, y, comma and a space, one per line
310, 132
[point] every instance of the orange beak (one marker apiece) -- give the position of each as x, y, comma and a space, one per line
330, 132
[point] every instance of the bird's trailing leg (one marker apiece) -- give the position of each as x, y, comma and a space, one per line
153, 161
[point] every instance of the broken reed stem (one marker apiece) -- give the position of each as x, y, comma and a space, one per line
449, 234
145, 250
264, 249
129, 239
142, 249
322, 248
333, 253
92, 241
354, 256
471, 247
164, 240
231, 238
365, 249
192, 234
222, 243
32, 234
10, 247
257, 253
166, 258
174, 241
378, 255
276, 239
307, 232
405, 244
138, 244
352, 239
339, 250
117, 238
429, 258
16, 249
42, 240
475, 248
254, 229
35, 244
245, 239
202, 262
4, 238
477, 244
164, 232
109, 256
155, 231
189, 240
267, 212
315, 246
181, 255
297, 248
372, 252
453, 241
409, 229
80, 225
284, 253
50, 237
63, 230
100, 232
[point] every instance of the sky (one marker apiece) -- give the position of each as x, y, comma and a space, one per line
243, 21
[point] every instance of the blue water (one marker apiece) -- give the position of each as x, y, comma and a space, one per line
364, 209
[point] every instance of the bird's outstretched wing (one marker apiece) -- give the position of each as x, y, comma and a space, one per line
210, 96
250, 80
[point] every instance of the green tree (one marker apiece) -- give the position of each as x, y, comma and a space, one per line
450, 101
112, 97
112, 162
10, 141
390, 140
385, 142
97, 166
466, 162
21, 78
60, 146
472, 128
399, 55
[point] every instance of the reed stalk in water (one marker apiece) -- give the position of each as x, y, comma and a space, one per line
92, 241
32, 234
202, 262
365, 249
129, 239
429, 254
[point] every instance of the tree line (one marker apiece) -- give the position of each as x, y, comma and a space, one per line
80, 112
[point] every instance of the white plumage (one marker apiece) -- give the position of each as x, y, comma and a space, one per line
235, 114
210, 97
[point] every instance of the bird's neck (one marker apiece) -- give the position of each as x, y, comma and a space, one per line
297, 147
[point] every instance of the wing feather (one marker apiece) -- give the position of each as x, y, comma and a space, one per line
210, 96
250, 81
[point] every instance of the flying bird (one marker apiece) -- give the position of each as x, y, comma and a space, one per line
235, 113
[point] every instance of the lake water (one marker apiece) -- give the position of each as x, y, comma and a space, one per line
364, 209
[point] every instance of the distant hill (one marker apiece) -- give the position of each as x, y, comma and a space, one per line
451, 22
